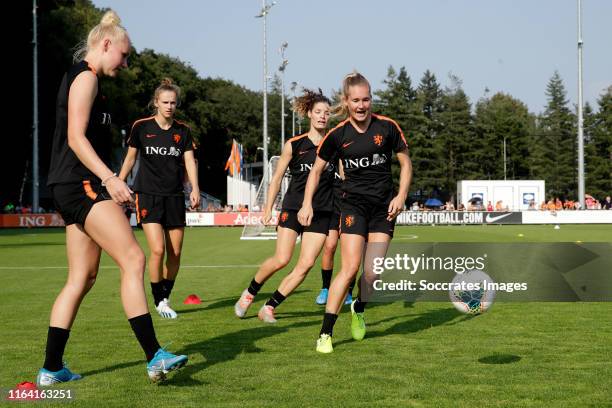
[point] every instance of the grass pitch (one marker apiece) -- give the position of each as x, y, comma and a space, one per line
414, 354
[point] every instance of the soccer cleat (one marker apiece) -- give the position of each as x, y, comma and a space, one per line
46, 378
266, 314
322, 298
162, 363
358, 326
349, 299
164, 310
243, 304
324, 344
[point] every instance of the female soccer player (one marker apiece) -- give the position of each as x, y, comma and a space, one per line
364, 142
89, 195
331, 243
164, 144
298, 154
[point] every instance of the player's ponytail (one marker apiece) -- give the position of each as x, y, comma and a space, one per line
109, 27
352, 79
305, 103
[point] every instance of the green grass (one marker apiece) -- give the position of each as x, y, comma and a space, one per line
421, 354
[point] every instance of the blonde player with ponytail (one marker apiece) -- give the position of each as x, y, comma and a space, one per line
89, 196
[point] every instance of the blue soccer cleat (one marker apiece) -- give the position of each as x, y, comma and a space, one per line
162, 363
46, 378
322, 298
349, 299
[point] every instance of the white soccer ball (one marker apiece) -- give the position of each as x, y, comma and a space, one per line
471, 292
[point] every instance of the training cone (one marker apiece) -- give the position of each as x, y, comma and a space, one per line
192, 300
24, 387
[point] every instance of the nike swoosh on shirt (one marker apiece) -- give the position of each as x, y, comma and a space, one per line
347, 144
302, 152
150, 136
499, 217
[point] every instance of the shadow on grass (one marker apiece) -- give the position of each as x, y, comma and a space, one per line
115, 367
230, 301
412, 324
499, 359
225, 348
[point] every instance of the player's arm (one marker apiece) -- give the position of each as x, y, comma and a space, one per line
277, 178
192, 175
80, 101
305, 213
397, 204
128, 163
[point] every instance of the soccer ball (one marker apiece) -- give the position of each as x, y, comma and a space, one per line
474, 301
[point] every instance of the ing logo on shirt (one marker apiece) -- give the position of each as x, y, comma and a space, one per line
349, 220
284, 216
378, 140
176, 137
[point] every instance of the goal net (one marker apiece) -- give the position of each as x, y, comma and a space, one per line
254, 228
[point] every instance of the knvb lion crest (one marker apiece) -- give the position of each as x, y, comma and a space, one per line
378, 140
176, 137
284, 216
349, 220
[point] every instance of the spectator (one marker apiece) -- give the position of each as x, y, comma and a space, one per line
607, 204
489, 206
532, 205
415, 206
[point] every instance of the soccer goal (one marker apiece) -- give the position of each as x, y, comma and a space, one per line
254, 229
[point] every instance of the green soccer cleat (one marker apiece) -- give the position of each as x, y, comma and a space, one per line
324, 344
358, 326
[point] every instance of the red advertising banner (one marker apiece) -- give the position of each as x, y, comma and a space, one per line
30, 220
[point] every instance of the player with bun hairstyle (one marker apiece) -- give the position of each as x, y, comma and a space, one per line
164, 144
364, 143
89, 196
298, 155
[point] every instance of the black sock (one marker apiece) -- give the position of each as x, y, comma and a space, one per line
326, 275
145, 333
56, 343
167, 286
351, 287
254, 287
276, 299
359, 306
157, 289
329, 319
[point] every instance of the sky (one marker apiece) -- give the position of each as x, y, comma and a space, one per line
510, 46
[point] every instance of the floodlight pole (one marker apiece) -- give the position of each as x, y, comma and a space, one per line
580, 118
282, 71
265, 8
35, 180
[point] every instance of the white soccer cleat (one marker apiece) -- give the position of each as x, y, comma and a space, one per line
243, 304
165, 310
266, 314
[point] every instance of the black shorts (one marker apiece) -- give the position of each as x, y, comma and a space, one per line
319, 223
75, 200
334, 222
169, 211
362, 217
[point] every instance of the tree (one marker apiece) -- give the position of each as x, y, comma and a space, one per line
498, 119
456, 136
554, 144
598, 147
